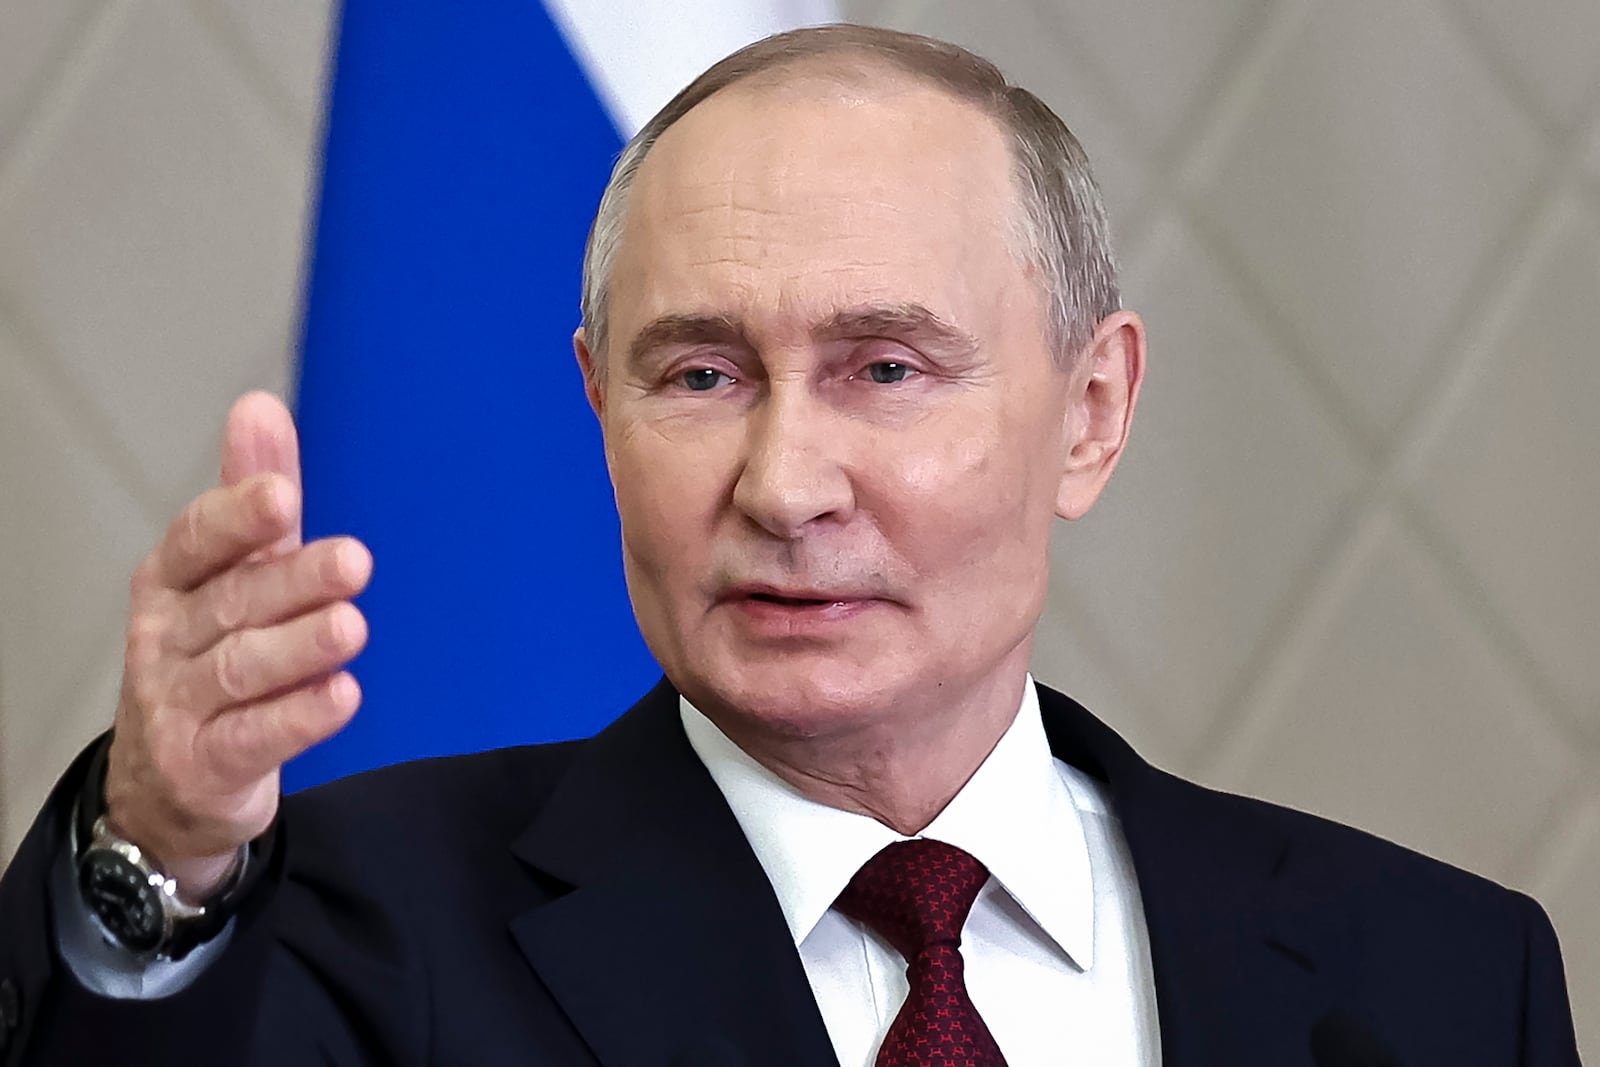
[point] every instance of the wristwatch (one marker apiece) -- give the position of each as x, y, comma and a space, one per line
134, 902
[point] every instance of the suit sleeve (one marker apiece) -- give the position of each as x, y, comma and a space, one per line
50, 1017
1548, 1039
279, 992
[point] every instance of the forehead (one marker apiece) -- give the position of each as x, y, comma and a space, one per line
805, 194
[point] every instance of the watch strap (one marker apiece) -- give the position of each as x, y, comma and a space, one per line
189, 925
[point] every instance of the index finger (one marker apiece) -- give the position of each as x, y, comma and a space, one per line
225, 525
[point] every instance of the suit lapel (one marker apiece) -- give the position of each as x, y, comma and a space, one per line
1244, 959
669, 946
665, 944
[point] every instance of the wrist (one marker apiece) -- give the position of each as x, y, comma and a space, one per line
132, 818
202, 879
153, 908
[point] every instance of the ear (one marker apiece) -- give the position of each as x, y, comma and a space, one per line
591, 374
1104, 390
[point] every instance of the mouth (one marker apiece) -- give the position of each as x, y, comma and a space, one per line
772, 612
791, 597
795, 601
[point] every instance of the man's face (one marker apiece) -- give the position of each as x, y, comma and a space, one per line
835, 428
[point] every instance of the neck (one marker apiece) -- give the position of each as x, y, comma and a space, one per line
903, 765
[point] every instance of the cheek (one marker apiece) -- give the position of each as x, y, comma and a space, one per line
666, 496
966, 475
971, 508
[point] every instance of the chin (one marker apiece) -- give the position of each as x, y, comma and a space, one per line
801, 694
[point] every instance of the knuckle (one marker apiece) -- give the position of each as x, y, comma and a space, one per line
146, 638
272, 504
214, 748
230, 670
188, 533
229, 601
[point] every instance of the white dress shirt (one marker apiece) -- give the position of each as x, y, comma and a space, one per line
1056, 950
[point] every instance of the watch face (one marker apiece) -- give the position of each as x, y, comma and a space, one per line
122, 898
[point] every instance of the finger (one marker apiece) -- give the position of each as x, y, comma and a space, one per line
261, 438
243, 744
251, 665
257, 595
224, 525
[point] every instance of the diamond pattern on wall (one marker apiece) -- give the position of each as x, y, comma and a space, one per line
1124, 41
1362, 220
170, 282
32, 53
1397, 679
1513, 480
72, 534
288, 39
1544, 49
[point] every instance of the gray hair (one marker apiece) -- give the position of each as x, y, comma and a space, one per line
1062, 226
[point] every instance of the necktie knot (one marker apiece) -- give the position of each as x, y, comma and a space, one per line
915, 894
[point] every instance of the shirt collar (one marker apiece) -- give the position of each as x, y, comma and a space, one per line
1015, 814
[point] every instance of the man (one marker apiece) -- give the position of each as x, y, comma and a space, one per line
852, 334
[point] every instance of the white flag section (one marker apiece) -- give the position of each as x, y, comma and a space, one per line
639, 53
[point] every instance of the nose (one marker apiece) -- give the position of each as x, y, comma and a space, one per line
793, 473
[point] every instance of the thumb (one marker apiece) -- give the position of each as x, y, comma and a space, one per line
261, 437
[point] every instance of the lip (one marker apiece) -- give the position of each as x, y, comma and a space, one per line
777, 611
780, 592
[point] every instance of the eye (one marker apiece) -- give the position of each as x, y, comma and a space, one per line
702, 379
886, 372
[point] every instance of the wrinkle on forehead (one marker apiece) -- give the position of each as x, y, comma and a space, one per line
754, 234
802, 195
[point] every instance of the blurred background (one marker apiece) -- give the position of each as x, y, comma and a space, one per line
1349, 562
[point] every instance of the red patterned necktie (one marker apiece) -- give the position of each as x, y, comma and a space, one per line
916, 896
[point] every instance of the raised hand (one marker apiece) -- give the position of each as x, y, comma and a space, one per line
237, 636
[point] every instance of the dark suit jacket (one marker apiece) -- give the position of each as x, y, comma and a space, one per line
595, 902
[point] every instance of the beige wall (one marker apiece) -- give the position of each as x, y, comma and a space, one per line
1349, 562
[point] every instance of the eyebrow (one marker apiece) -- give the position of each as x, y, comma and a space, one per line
909, 322
671, 330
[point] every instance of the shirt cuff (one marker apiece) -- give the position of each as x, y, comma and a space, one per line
101, 965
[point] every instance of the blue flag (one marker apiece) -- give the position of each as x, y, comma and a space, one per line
442, 416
